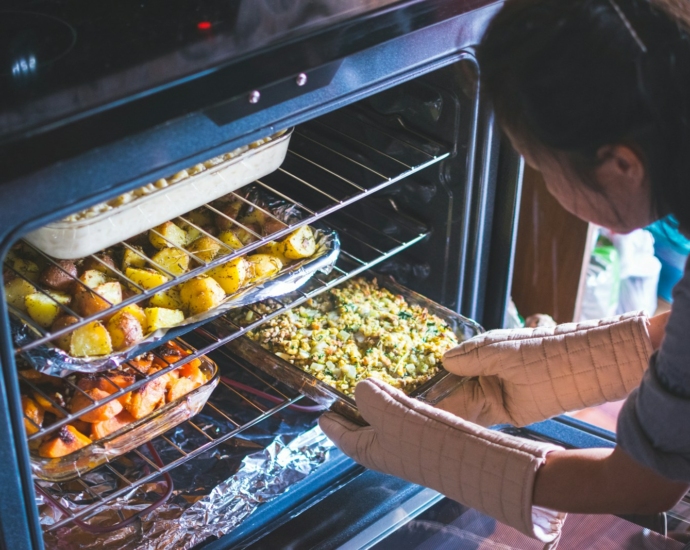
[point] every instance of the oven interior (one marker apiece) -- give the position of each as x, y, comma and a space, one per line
406, 177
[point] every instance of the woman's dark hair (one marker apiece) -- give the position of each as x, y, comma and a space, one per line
571, 76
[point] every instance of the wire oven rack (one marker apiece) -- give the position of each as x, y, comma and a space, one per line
349, 156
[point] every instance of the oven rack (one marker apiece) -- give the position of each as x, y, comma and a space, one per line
377, 248
252, 395
350, 155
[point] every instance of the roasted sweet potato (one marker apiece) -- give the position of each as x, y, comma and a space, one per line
193, 372
147, 398
180, 387
125, 330
60, 278
49, 404
101, 429
142, 363
67, 440
104, 412
33, 415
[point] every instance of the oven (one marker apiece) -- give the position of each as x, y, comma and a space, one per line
392, 147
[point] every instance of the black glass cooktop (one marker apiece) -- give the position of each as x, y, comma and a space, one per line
61, 57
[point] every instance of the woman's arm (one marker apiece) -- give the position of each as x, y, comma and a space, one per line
657, 329
603, 481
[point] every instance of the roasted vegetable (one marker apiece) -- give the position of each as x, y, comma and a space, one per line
169, 299
146, 278
167, 234
138, 313
125, 330
172, 260
130, 258
27, 268
44, 308
101, 429
204, 248
90, 340
61, 276
64, 341
181, 386
49, 404
262, 266
300, 244
159, 317
201, 294
102, 297
68, 440
147, 398
232, 275
101, 262
33, 415
104, 412
92, 278
16, 291
229, 238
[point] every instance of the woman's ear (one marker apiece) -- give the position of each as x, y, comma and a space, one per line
620, 170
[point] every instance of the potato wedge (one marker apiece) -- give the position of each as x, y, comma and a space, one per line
172, 260
159, 317
201, 294
169, 299
44, 309
125, 330
64, 341
16, 292
104, 412
146, 278
262, 266
299, 244
33, 415
232, 275
204, 248
133, 259
60, 278
229, 238
67, 441
90, 340
167, 234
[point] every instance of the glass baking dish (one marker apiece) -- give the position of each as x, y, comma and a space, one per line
68, 240
130, 436
432, 391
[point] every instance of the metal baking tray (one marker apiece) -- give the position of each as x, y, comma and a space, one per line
69, 240
434, 390
131, 436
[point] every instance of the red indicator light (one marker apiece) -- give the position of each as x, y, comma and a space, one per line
203, 25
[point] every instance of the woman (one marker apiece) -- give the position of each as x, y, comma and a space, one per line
596, 95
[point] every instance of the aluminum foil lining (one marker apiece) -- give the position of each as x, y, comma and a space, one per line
56, 362
213, 493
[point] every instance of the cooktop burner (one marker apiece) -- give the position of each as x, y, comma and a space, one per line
29, 41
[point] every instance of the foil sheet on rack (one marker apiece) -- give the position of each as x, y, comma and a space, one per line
56, 362
203, 505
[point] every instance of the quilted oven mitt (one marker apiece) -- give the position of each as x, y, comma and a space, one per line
528, 375
486, 470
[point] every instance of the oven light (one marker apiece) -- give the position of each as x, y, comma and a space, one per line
204, 25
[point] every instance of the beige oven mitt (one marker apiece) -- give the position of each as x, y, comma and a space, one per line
528, 375
486, 470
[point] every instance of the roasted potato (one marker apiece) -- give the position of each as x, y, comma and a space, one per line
167, 234
271, 225
104, 412
159, 317
92, 278
91, 339
230, 210
133, 259
87, 302
201, 294
232, 275
44, 308
229, 238
27, 268
172, 260
105, 265
262, 266
274, 248
299, 244
204, 248
146, 278
64, 341
60, 278
138, 313
67, 440
33, 415
199, 217
16, 292
245, 236
169, 299
125, 330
